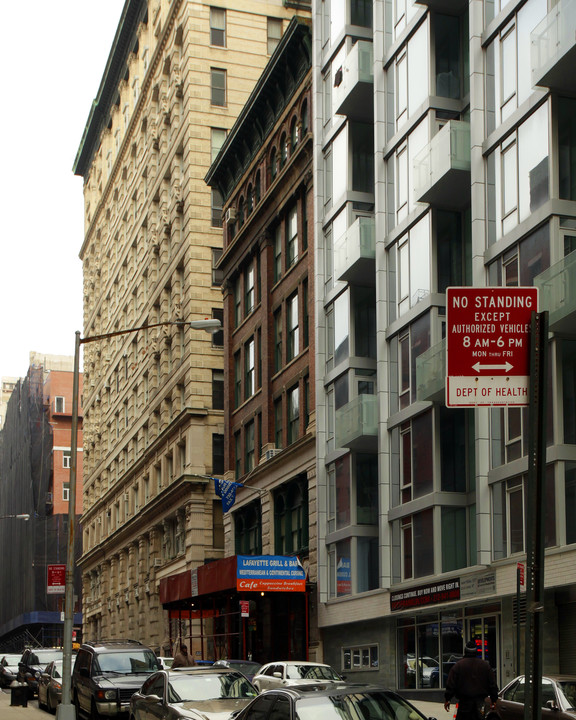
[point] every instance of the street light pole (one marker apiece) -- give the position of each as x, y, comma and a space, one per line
20, 516
66, 710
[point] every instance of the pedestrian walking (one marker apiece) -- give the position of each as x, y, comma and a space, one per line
471, 680
182, 659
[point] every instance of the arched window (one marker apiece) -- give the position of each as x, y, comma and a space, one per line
257, 188
273, 164
291, 517
293, 134
247, 530
249, 200
241, 213
283, 150
304, 117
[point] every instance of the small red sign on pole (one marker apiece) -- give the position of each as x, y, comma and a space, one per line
521, 573
488, 345
244, 608
56, 584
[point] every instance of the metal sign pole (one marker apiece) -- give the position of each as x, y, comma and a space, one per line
535, 497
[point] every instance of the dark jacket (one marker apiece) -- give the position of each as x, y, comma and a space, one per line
471, 679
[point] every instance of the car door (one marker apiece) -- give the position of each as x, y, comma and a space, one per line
157, 710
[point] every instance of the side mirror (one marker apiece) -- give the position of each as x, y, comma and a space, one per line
152, 699
277, 674
551, 705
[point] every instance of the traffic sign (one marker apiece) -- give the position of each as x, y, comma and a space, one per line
488, 345
56, 582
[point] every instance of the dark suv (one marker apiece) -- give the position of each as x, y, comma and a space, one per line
107, 673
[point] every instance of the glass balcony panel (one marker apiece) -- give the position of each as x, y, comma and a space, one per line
553, 48
354, 84
557, 293
431, 373
357, 424
354, 253
452, 6
442, 169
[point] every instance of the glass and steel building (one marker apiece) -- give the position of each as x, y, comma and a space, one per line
445, 155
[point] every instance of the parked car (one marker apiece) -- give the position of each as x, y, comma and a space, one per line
332, 701
165, 662
9, 669
246, 667
197, 693
31, 664
50, 686
558, 699
106, 674
447, 665
280, 674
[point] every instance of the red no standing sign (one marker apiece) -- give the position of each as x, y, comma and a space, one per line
488, 345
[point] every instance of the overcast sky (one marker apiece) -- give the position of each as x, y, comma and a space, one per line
52, 55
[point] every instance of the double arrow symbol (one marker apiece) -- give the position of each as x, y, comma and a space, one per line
506, 367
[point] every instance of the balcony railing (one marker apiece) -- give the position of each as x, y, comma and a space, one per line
354, 84
444, 5
557, 293
442, 169
431, 373
357, 424
355, 252
553, 48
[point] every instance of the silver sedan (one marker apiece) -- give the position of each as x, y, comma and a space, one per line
280, 674
191, 693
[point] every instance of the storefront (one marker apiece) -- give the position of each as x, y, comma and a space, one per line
246, 607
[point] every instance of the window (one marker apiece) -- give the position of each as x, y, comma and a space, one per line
291, 517
237, 381
218, 336
218, 87
249, 365
217, 273
218, 27
216, 208
249, 447
278, 425
247, 530
416, 531
293, 328
249, 289
66, 458
274, 33
217, 454
293, 397
66, 491
217, 390
363, 657
237, 302
59, 404
217, 138
292, 237
278, 340
416, 458
278, 252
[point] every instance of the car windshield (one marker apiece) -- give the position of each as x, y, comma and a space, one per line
57, 672
43, 657
198, 687
135, 661
302, 671
247, 668
357, 706
568, 687
11, 659
428, 662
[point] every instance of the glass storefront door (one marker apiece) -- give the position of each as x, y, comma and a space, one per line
484, 631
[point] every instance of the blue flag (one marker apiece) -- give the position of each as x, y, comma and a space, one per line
226, 489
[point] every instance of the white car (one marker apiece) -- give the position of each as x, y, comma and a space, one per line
293, 672
165, 662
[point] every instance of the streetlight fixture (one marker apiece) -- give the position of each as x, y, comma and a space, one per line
66, 710
20, 516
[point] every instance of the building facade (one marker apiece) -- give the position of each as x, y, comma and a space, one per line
264, 174
35, 470
444, 156
178, 75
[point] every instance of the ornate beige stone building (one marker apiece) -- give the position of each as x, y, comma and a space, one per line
177, 76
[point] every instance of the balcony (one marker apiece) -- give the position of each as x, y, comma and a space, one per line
357, 424
354, 84
431, 373
553, 49
355, 252
442, 169
557, 294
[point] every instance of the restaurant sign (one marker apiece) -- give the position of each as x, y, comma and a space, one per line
425, 595
270, 573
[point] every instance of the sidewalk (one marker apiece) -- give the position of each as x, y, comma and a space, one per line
434, 709
17, 712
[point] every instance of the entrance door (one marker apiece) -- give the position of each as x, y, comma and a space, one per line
485, 631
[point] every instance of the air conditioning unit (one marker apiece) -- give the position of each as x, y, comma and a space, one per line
230, 216
49, 498
147, 588
158, 562
269, 454
117, 602
136, 593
